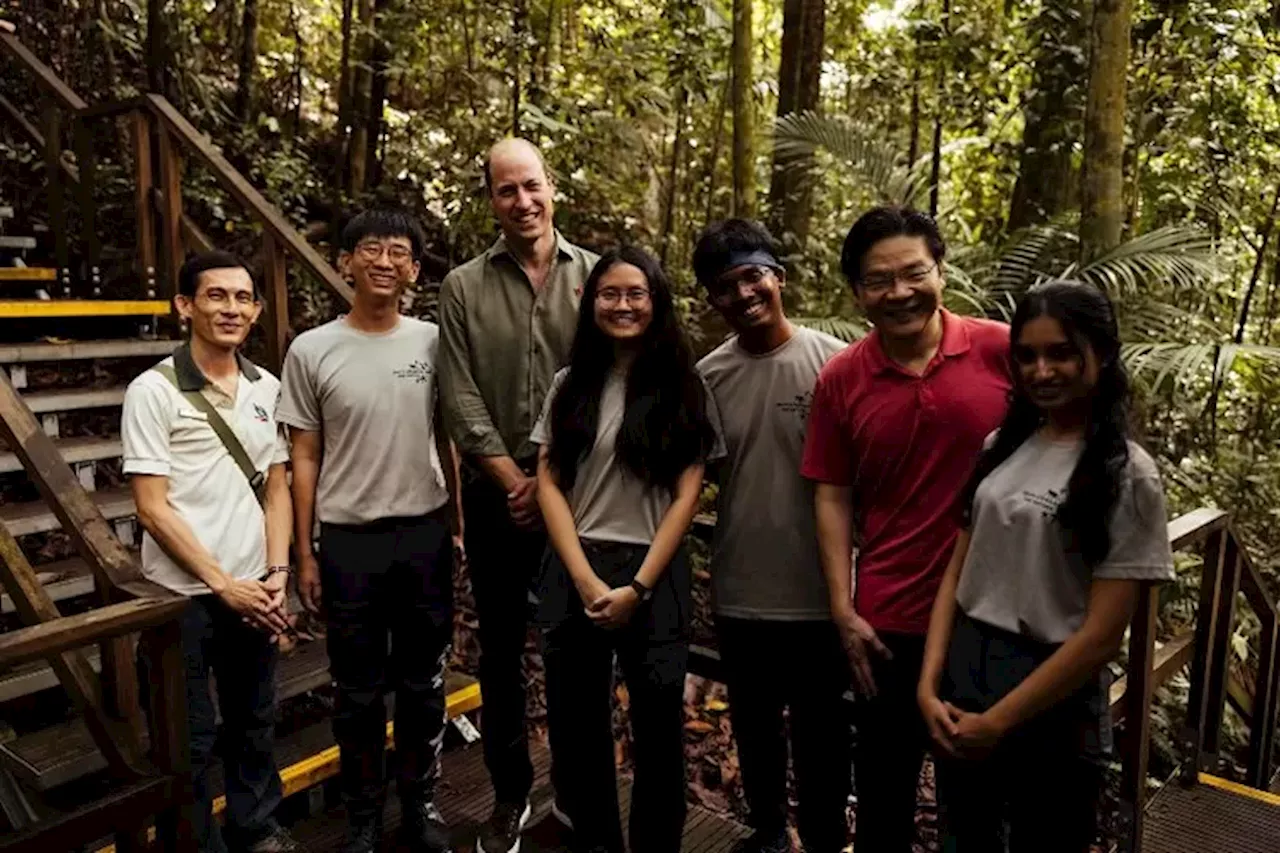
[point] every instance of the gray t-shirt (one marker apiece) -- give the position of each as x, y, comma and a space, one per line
765, 562
609, 503
1018, 575
373, 397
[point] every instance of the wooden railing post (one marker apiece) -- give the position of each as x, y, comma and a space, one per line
92, 245
167, 718
275, 297
1263, 728
57, 193
171, 209
1211, 576
1220, 659
144, 198
1137, 698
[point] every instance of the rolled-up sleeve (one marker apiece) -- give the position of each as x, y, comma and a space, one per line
465, 413
144, 428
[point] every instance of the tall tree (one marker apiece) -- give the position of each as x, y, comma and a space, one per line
379, 60
744, 181
799, 90
361, 95
248, 60
159, 60
1102, 179
1053, 116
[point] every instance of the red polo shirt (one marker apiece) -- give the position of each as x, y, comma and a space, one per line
906, 444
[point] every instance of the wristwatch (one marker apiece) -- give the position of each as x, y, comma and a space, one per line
272, 570
642, 591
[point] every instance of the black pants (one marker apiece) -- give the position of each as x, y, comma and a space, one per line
243, 660
1037, 791
389, 580
890, 750
800, 666
653, 651
503, 560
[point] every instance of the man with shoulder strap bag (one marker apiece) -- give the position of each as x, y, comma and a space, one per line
206, 463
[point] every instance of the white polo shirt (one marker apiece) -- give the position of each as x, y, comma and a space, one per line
164, 435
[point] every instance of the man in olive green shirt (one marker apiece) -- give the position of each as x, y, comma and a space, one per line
507, 320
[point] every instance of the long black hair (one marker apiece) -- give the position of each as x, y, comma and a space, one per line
1088, 319
665, 427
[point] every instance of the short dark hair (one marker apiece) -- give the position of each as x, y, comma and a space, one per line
726, 237
384, 222
881, 223
201, 262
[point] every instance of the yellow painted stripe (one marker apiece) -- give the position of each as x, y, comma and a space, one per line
314, 769
14, 308
28, 274
1237, 788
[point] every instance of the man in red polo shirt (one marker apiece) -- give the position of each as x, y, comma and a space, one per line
897, 422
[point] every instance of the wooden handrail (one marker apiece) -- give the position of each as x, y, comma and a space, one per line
233, 182
72, 632
44, 75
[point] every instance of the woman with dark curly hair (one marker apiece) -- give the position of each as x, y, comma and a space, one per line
624, 435
1065, 517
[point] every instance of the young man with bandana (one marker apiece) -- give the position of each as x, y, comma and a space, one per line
768, 591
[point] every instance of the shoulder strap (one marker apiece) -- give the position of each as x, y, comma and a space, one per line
257, 482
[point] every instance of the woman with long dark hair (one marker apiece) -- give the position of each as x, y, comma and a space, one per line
624, 435
1065, 517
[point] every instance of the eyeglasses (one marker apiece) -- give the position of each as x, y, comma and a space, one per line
371, 251
724, 289
880, 282
611, 296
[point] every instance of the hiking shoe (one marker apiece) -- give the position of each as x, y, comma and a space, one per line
561, 815
501, 833
424, 829
363, 837
278, 840
762, 842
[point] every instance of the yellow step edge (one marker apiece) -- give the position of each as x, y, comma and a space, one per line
28, 274
314, 769
15, 308
1236, 788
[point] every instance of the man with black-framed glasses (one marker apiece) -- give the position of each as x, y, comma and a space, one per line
898, 420
372, 464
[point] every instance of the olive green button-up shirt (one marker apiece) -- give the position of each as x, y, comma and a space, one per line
501, 343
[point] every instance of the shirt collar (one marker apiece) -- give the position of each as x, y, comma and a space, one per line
499, 247
955, 341
191, 378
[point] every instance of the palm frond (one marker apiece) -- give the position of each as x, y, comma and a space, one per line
1147, 319
845, 329
1175, 255
1174, 364
798, 135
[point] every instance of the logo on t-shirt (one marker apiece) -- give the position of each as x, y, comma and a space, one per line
418, 371
798, 406
1048, 502
260, 413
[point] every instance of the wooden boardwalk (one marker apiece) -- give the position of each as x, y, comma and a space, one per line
1212, 817
466, 800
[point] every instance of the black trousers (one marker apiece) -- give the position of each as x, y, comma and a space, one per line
243, 660
1037, 791
391, 580
653, 651
890, 749
798, 666
503, 560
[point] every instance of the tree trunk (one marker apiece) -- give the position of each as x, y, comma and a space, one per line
361, 96
673, 177
1052, 118
380, 58
1102, 183
717, 139
913, 145
744, 186
1264, 240
248, 60
799, 90
519, 21
939, 108
158, 63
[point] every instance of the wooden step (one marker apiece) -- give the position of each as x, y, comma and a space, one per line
35, 517
42, 402
65, 752
18, 244
46, 308
85, 350
36, 676
28, 274
62, 580
73, 450
6, 212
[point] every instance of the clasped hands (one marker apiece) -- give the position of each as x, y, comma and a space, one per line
261, 603
958, 733
606, 606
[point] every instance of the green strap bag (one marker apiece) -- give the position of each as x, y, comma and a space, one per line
257, 481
